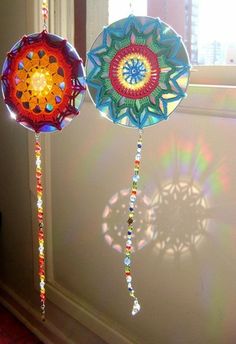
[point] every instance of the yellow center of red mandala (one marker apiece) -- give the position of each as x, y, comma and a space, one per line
39, 82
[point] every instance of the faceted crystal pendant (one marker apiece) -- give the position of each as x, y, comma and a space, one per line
136, 307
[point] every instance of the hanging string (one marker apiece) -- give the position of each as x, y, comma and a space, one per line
45, 14
41, 257
165, 11
129, 247
131, 7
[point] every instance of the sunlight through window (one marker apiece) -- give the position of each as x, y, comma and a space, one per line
216, 32
119, 9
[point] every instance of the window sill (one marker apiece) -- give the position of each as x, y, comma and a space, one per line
213, 75
215, 100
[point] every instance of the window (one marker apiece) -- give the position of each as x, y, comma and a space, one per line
207, 28
216, 32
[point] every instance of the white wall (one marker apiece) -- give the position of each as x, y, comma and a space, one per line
185, 275
16, 236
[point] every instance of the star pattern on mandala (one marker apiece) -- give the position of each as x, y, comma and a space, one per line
146, 109
43, 82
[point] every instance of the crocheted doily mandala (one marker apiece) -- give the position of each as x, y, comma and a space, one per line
43, 82
137, 71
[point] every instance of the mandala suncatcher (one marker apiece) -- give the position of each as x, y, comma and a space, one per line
43, 85
137, 74
43, 82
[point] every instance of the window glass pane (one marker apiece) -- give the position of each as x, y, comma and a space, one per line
119, 9
214, 31
206, 26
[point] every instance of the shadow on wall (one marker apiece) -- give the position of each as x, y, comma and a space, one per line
175, 218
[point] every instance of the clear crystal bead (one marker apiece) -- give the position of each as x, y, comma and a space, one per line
127, 261
132, 198
41, 249
39, 203
128, 279
136, 307
136, 178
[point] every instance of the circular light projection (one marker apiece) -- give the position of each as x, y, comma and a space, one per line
137, 71
43, 82
115, 214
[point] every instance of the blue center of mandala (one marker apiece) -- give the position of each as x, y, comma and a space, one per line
134, 71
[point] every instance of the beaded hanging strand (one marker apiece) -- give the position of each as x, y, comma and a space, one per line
41, 256
39, 189
128, 250
45, 14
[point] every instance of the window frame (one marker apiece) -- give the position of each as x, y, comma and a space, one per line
80, 14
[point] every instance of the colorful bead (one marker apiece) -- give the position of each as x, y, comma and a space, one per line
44, 12
130, 221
